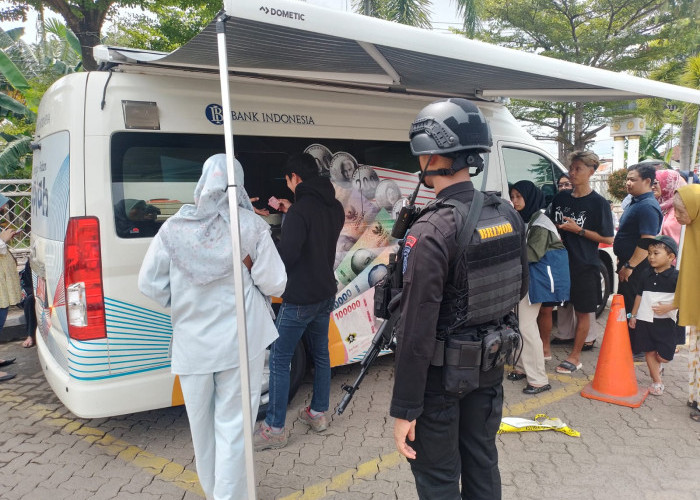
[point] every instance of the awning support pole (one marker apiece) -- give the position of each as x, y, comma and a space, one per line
237, 261
694, 155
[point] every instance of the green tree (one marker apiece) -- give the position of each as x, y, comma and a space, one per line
617, 184
26, 71
653, 142
162, 27
619, 35
84, 17
681, 41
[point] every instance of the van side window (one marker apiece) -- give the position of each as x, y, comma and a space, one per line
525, 165
154, 174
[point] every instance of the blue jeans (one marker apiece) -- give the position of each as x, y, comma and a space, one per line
292, 322
3, 316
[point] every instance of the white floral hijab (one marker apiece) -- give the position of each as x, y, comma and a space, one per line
198, 237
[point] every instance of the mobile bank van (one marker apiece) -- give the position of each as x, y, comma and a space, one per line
119, 150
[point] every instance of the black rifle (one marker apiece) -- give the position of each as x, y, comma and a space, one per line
389, 300
383, 339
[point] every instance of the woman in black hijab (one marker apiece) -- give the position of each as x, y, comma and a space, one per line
549, 282
531, 196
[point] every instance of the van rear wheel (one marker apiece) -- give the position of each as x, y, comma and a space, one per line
296, 376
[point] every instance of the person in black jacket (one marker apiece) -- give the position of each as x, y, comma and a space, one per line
25, 280
310, 232
450, 291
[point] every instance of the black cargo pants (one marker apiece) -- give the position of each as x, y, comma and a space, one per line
457, 437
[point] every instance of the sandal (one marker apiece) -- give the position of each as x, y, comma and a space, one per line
656, 389
588, 346
8, 361
692, 404
695, 415
28, 342
568, 367
516, 376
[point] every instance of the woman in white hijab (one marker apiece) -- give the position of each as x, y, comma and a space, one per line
189, 268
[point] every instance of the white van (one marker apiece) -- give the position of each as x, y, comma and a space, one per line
118, 152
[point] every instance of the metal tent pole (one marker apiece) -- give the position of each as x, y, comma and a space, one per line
237, 261
694, 155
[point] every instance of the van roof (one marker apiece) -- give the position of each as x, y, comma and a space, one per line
292, 40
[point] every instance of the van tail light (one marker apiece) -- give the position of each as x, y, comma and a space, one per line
85, 305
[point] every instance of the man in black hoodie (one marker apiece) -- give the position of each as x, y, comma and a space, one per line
309, 236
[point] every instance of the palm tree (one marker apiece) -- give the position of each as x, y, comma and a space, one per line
410, 12
467, 10
417, 12
690, 78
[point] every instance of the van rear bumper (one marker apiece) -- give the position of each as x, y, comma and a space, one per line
109, 397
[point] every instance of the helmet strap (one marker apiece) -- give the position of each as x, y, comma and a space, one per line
461, 161
421, 179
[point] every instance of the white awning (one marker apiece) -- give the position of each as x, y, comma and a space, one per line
292, 40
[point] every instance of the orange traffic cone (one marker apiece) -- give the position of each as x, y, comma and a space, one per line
615, 381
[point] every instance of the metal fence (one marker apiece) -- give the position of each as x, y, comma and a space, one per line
19, 215
599, 182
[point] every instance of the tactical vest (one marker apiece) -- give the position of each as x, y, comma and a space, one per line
484, 282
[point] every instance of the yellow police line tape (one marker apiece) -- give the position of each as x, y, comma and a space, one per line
175, 474
542, 422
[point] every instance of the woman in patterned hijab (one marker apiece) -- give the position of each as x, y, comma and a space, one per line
667, 182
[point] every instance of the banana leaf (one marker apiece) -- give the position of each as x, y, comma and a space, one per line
11, 155
13, 75
7, 103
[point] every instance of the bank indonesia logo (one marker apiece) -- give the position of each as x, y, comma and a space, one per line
215, 114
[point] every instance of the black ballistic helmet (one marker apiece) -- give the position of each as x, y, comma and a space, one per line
449, 126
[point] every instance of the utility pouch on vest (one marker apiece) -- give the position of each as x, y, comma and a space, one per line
501, 345
460, 371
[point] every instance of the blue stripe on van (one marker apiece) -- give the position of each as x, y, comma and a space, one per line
162, 359
120, 374
125, 306
138, 341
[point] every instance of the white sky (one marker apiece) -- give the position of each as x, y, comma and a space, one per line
443, 16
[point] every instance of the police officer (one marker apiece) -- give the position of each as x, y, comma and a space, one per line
444, 434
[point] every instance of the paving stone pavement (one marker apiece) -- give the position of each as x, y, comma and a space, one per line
647, 453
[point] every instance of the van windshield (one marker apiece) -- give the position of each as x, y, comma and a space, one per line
154, 174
